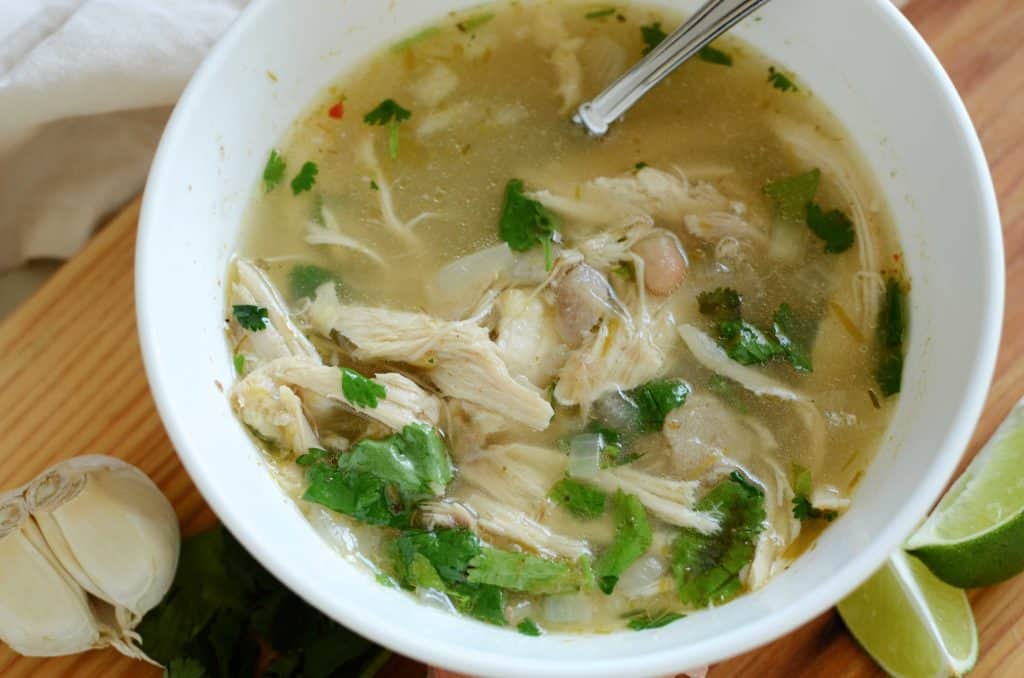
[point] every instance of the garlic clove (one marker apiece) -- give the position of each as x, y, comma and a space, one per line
43, 611
113, 530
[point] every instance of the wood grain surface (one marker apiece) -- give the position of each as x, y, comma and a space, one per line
71, 377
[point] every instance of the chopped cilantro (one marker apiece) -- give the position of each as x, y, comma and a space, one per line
313, 455
304, 280
834, 227
714, 56
781, 81
273, 171
802, 507
792, 337
652, 36
599, 13
746, 344
520, 571
525, 222
640, 165
305, 179
374, 186
645, 621
632, 539
707, 567
252, 318
791, 196
581, 500
721, 305
239, 361
224, 611
415, 38
379, 482
388, 113
359, 390
891, 329
655, 400
528, 627
474, 22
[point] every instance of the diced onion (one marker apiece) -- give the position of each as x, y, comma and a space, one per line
643, 578
573, 608
585, 455
616, 412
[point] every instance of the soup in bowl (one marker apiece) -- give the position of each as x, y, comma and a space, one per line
502, 376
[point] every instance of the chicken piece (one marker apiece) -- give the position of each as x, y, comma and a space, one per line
446, 513
459, 356
495, 517
405, 403
518, 474
281, 337
550, 33
665, 197
668, 499
527, 339
471, 428
432, 87
273, 412
619, 355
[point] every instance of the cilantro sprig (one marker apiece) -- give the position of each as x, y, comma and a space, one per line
793, 201
781, 81
251, 317
892, 322
361, 391
643, 621
802, 507
652, 36
390, 114
305, 179
581, 500
632, 538
525, 222
273, 171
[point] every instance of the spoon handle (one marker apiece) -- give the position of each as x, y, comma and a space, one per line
707, 23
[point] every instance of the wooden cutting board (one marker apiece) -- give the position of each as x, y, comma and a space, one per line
71, 377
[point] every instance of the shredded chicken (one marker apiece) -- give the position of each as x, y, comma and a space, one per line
527, 338
434, 86
403, 229
404, 403
281, 337
273, 412
550, 33
459, 356
668, 499
330, 234
495, 517
446, 513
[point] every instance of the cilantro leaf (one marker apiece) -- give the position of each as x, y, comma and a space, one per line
581, 500
721, 304
273, 171
746, 344
801, 480
359, 390
653, 621
390, 114
520, 571
791, 196
525, 222
802, 507
891, 329
655, 400
304, 280
415, 38
305, 179
707, 567
781, 81
792, 338
714, 56
633, 537
448, 551
486, 603
528, 627
239, 361
252, 318
834, 227
380, 481
652, 36
599, 13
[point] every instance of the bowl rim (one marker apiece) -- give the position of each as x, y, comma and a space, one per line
746, 638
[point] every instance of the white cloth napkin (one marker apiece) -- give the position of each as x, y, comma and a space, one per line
85, 90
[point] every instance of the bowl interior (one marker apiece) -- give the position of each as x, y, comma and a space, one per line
894, 100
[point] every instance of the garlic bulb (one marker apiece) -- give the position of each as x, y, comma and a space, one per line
86, 549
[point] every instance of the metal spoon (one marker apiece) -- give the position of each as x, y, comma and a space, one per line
707, 23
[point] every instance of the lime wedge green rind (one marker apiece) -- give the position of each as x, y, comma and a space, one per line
975, 536
911, 623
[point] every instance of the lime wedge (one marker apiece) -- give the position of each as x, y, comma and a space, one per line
911, 623
975, 536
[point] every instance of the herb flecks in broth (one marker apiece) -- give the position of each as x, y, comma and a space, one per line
523, 400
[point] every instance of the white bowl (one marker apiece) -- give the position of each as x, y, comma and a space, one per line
861, 57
